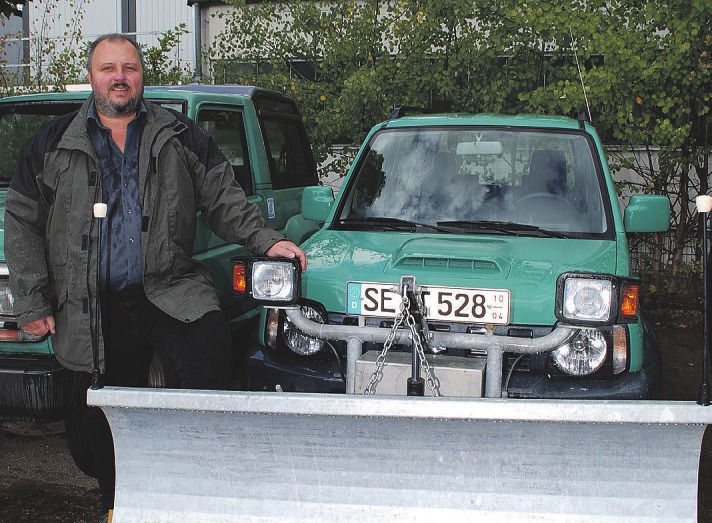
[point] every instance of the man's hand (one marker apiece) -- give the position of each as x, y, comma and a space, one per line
39, 327
288, 250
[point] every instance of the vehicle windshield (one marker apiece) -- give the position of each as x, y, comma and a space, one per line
484, 180
19, 123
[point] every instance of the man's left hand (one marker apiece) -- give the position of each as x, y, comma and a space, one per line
288, 250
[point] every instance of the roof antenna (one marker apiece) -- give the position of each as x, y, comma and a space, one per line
585, 96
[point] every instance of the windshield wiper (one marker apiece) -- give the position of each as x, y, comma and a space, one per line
510, 228
396, 224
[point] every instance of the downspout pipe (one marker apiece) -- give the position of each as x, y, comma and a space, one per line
197, 42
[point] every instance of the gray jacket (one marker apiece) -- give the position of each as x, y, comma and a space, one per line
50, 234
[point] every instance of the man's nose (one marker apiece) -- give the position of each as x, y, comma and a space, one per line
120, 74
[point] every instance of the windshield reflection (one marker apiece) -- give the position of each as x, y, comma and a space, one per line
461, 176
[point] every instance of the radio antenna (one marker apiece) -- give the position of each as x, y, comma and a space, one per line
578, 66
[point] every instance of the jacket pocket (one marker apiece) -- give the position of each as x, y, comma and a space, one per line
58, 178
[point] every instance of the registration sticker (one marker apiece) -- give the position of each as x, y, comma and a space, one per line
441, 303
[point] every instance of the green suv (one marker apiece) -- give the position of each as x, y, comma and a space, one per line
466, 255
262, 134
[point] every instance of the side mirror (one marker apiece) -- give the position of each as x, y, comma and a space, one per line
316, 203
647, 213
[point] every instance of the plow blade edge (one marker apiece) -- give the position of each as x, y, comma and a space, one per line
231, 456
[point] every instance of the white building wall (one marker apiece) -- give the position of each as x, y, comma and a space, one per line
54, 20
154, 17
11, 53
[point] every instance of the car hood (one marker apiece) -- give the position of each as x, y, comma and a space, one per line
527, 267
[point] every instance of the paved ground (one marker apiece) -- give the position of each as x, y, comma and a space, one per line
38, 479
40, 483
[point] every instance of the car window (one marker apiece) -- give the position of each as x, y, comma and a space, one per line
544, 179
228, 130
18, 124
288, 150
20, 121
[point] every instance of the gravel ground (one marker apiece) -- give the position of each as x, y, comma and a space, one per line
39, 481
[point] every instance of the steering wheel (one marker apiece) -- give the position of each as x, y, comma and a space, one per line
547, 210
545, 196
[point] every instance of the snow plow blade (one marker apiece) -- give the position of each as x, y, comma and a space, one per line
232, 456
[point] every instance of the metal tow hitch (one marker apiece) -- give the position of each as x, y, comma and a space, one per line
412, 313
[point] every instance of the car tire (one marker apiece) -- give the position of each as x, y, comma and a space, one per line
161, 373
78, 442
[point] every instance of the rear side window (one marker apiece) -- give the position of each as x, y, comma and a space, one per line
228, 130
288, 150
18, 124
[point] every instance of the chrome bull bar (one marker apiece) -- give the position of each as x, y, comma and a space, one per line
495, 346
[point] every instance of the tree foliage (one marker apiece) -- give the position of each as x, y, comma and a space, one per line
160, 66
645, 65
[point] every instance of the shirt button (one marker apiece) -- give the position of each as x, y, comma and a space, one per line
131, 240
129, 211
126, 185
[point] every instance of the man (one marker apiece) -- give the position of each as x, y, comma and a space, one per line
154, 169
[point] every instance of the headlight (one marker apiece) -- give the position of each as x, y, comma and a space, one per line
583, 355
296, 340
596, 299
273, 281
7, 303
587, 299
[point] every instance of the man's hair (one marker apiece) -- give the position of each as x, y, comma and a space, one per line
113, 37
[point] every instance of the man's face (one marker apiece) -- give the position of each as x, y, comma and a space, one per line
116, 77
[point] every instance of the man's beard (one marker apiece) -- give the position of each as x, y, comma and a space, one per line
106, 106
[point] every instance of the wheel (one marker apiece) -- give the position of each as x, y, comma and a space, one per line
161, 374
548, 211
544, 196
78, 442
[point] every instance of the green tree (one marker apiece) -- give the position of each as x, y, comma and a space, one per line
650, 95
161, 68
645, 66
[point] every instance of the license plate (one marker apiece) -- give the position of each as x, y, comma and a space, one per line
441, 303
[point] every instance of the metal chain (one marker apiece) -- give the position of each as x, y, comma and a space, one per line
381, 360
430, 380
404, 315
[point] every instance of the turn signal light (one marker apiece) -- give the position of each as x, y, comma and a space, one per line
239, 282
629, 300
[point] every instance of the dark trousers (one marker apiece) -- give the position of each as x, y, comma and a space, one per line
200, 353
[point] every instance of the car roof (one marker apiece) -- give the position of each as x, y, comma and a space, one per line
166, 91
483, 119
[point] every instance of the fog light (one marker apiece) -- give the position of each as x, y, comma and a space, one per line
297, 341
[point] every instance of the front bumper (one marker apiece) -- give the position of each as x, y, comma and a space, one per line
267, 370
641, 385
37, 387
